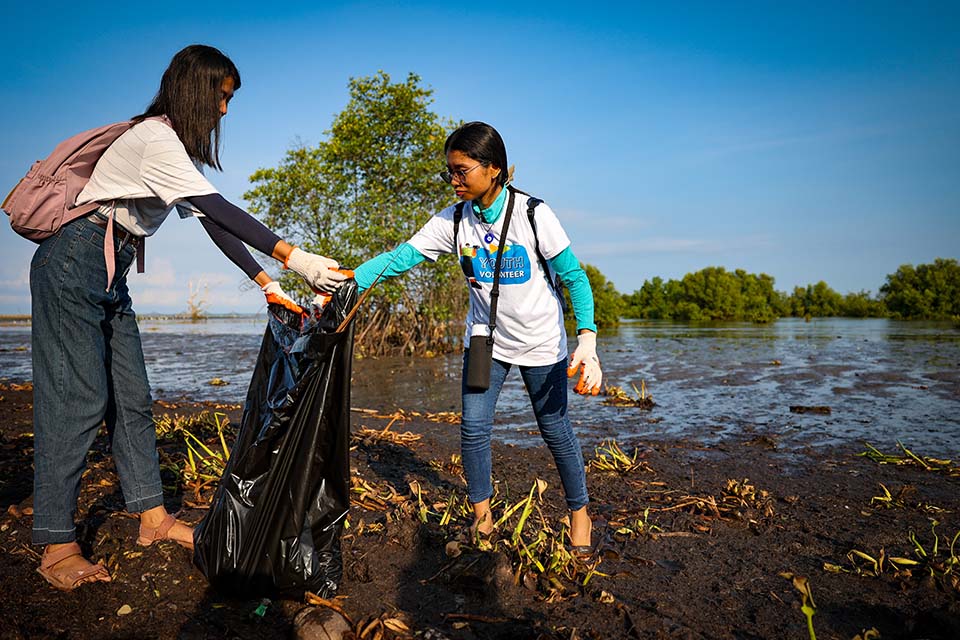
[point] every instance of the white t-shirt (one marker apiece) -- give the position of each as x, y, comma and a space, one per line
529, 316
146, 172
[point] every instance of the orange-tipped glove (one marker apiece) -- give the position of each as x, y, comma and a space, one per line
319, 272
275, 295
585, 359
321, 299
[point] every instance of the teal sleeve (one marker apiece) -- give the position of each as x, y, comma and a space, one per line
391, 263
566, 265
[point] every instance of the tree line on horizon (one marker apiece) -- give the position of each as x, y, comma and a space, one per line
925, 292
370, 184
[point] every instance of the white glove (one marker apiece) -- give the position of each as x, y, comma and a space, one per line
276, 295
585, 358
319, 272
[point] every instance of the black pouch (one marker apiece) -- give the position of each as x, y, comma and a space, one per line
478, 362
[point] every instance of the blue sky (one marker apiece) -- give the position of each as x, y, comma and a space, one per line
808, 141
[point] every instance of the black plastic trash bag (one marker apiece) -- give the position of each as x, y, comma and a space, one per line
275, 521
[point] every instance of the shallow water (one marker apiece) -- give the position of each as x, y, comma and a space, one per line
883, 380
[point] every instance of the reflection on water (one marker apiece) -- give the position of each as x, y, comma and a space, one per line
883, 380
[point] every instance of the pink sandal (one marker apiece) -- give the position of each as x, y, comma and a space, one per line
149, 535
68, 580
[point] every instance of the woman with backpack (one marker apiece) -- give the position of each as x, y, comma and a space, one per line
87, 357
509, 246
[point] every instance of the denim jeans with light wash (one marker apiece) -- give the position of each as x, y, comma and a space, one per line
547, 388
87, 366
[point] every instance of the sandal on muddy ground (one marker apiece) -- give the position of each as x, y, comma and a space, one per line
477, 538
149, 535
582, 552
70, 579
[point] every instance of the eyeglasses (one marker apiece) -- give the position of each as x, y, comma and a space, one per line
459, 174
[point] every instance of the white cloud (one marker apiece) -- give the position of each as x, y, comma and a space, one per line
748, 143
19, 280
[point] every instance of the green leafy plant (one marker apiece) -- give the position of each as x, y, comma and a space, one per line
808, 607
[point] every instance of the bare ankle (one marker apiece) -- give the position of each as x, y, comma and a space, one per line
483, 522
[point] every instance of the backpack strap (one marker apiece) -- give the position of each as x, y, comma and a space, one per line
555, 284
495, 290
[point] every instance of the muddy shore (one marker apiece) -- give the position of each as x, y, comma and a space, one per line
692, 544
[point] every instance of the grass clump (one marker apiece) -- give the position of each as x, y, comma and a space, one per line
911, 459
937, 563
610, 458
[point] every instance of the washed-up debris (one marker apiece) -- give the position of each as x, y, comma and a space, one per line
617, 397
911, 459
611, 458
373, 497
13, 386
261, 609
818, 409
368, 436
444, 417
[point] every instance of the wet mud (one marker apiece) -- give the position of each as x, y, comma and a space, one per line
692, 532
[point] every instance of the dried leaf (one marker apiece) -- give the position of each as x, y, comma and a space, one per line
396, 624
541, 487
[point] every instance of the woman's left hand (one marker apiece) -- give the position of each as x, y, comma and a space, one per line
585, 358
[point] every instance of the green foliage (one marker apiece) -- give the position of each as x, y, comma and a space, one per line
365, 189
607, 301
861, 305
930, 291
649, 301
816, 301
712, 293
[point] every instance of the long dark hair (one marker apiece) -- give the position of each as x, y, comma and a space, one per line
480, 141
190, 94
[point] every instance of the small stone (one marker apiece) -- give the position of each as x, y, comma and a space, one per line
124, 610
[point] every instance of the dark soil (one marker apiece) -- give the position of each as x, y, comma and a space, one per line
703, 572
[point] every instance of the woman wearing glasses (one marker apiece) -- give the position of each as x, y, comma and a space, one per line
528, 326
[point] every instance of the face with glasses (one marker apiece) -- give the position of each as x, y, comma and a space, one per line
470, 179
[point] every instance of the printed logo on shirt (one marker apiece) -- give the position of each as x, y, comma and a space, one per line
478, 264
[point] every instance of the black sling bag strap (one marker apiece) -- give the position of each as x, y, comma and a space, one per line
495, 291
481, 347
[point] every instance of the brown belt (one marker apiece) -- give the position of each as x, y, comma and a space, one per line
119, 232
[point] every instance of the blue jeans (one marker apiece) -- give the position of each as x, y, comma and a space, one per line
87, 366
547, 388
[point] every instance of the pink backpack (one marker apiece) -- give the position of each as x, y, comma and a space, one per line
45, 199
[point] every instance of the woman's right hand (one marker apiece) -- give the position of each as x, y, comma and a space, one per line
318, 272
585, 360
